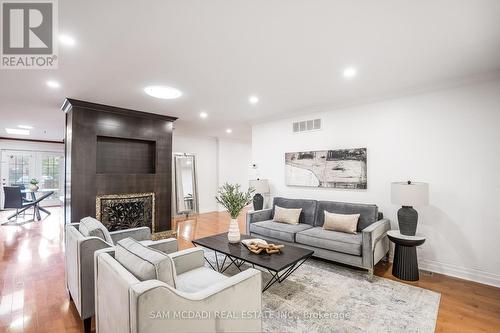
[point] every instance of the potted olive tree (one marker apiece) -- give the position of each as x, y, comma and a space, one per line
234, 200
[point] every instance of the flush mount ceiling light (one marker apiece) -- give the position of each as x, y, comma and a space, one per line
163, 92
17, 131
67, 40
53, 84
349, 72
229, 131
203, 114
28, 127
253, 99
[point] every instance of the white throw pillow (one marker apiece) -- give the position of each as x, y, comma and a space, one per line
347, 223
287, 215
145, 263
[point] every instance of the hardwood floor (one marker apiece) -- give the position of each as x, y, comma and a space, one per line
34, 297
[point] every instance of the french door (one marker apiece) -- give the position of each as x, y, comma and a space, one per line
20, 167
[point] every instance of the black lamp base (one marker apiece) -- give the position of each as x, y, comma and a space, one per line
258, 201
407, 219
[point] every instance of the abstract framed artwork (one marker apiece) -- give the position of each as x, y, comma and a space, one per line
341, 168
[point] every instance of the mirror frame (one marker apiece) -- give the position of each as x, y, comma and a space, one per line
195, 184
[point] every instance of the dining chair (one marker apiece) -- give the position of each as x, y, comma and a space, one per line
14, 199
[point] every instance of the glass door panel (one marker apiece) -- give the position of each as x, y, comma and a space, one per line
52, 169
18, 168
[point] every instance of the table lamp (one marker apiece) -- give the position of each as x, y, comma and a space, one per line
409, 194
261, 186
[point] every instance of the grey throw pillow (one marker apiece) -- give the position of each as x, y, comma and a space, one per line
145, 263
90, 227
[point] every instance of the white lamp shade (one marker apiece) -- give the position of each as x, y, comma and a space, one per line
413, 194
260, 185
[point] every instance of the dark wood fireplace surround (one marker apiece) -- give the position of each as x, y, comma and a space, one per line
112, 150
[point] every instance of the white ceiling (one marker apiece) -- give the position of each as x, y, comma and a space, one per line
290, 53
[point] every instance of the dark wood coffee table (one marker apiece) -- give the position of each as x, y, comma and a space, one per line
279, 265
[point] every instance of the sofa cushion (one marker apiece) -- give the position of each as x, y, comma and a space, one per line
90, 227
198, 279
145, 263
308, 208
277, 230
368, 213
331, 240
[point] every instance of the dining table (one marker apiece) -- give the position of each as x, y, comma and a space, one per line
44, 193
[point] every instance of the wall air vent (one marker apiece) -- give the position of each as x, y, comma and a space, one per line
307, 125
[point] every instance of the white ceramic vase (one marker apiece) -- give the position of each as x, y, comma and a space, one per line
233, 234
33, 188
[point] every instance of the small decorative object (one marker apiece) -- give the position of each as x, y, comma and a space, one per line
234, 200
258, 245
261, 186
409, 194
34, 185
342, 168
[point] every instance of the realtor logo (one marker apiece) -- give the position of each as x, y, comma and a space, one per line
28, 30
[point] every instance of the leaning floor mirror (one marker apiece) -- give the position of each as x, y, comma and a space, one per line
186, 192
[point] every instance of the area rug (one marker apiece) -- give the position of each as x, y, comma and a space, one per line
324, 297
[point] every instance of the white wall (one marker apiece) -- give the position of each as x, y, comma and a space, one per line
217, 162
205, 149
234, 162
450, 139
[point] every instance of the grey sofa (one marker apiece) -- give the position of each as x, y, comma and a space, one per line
127, 304
79, 259
363, 249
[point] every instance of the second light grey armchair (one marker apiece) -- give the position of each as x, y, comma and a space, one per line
81, 241
142, 291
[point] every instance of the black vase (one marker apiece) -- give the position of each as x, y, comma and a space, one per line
258, 201
407, 219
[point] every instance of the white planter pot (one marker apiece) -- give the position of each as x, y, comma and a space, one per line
233, 234
33, 188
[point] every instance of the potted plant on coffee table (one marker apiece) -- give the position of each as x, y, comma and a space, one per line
234, 200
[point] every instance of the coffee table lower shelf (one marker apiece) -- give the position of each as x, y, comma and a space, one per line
276, 276
279, 265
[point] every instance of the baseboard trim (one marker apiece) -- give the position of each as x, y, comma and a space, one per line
470, 274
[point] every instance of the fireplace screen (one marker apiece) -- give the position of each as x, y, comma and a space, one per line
125, 211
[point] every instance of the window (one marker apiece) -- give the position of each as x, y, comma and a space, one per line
20, 167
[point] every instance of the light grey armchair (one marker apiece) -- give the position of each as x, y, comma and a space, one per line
197, 299
81, 241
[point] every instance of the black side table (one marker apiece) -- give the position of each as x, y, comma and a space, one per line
405, 265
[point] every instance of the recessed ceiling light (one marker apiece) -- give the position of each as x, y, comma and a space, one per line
163, 92
253, 99
28, 127
203, 114
53, 84
17, 131
350, 72
229, 131
67, 40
